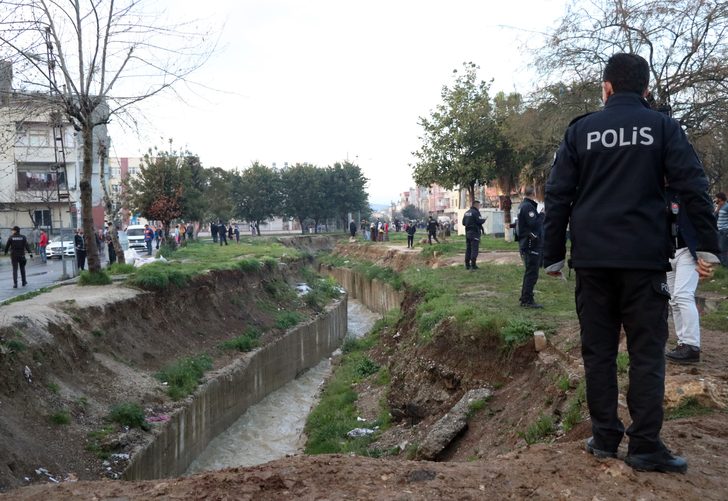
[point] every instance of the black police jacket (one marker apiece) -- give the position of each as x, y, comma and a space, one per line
473, 222
608, 184
529, 225
17, 244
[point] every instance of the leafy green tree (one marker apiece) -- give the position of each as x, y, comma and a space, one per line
218, 193
347, 190
256, 194
157, 191
195, 201
304, 196
460, 137
410, 212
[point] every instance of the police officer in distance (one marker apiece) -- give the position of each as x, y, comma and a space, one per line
608, 184
473, 224
529, 230
18, 245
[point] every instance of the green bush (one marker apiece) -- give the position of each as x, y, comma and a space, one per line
516, 332
539, 430
573, 414
246, 342
622, 362
61, 417
94, 278
128, 414
365, 367
287, 319
249, 265
183, 376
167, 249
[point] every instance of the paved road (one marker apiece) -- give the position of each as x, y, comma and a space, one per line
38, 274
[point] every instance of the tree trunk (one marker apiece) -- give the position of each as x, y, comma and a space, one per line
303, 230
257, 227
87, 218
108, 208
471, 193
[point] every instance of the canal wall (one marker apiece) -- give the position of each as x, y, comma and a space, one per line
220, 401
378, 296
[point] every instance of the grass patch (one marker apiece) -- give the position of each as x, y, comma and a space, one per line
539, 431
159, 276
184, 375
128, 414
14, 345
476, 406
287, 319
248, 341
622, 362
94, 278
28, 295
97, 333
573, 413
690, 407
716, 320
62, 417
563, 383
249, 265
54, 388
120, 269
516, 332
335, 415
95, 441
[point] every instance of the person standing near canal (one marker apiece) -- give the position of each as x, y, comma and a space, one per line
19, 245
607, 184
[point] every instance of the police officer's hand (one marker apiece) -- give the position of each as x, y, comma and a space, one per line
31, 256
705, 269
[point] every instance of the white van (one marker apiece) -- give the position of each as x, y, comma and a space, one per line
135, 235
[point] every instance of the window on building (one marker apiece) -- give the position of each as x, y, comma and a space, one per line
38, 137
42, 218
115, 172
132, 171
115, 188
31, 180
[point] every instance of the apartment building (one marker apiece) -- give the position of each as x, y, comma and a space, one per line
41, 157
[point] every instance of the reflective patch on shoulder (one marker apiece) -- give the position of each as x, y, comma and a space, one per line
531, 214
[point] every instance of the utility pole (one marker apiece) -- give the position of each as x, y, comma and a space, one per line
59, 150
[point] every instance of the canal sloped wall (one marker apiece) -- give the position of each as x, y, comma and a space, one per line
220, 401
378, 296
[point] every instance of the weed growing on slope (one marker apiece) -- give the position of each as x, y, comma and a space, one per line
183, 376
128, 414
96, 278
248, 341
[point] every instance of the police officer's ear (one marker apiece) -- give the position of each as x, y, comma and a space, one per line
607, 90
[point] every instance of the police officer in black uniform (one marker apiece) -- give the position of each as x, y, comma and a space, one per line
473, 224
529, 230
608, 184
18, 245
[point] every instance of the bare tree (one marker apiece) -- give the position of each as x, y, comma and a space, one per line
109, 54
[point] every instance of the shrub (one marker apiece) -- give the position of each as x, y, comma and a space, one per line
184, 375
516, 332
622, 362
476, 406
61, 417
94, 278
249, 265
287, 319
246, 342
539, 430
365, 367
128, 414
159, 276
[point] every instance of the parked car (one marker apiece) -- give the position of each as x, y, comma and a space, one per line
135, 236
53, 249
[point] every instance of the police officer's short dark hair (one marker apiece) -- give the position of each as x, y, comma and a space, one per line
720, 196
627, 73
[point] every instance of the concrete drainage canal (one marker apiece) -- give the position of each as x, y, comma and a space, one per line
273, 427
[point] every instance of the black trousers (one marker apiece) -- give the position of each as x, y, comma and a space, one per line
432, 235
532, 263
472, 244
410, 240
81, 259
112, 254
606, 301
18, 261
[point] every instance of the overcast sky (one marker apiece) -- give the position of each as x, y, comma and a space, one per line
322, 81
